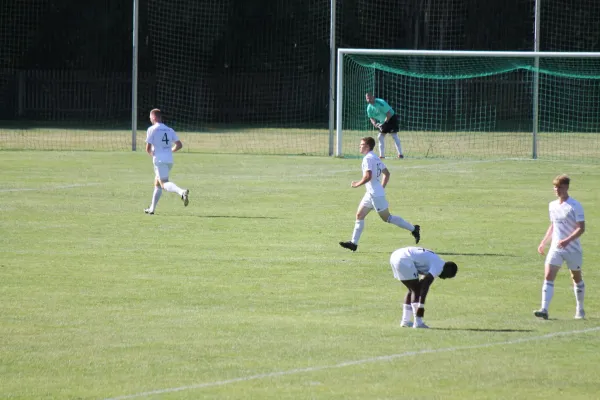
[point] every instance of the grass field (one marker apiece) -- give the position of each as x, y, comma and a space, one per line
285, 141
245, 294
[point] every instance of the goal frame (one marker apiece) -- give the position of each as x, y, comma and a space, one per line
536, 55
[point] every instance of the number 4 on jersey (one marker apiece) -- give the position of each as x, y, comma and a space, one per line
165, 139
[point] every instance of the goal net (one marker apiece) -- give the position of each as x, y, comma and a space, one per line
231, 78
64, 86
474, 104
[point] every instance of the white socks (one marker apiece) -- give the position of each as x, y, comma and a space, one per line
155, 197
171, 187
359, 225
395, 220
579, 289
407, 313
547, 293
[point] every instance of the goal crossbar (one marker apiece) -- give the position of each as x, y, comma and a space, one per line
536, 55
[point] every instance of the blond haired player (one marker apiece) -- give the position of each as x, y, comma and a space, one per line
567, 224
161, 143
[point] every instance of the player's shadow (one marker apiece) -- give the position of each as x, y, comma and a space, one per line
235, 216
483, 330
442, 253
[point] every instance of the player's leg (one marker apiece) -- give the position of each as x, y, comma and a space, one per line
172, 187
419, 304
574, 261
552, 266
405, 271
364, 208
398, 145
407, 311
381, 144
381, 205
157, 191
393, 126
410, 298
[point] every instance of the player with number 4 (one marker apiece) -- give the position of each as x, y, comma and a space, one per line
161, 143
373, 168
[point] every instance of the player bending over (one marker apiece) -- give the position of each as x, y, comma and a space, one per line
408, 264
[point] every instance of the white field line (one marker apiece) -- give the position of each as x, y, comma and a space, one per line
74, 185
387, 358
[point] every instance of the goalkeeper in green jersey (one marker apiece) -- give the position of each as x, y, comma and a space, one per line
383, 118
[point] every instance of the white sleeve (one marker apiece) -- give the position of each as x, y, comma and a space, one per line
365, 165
369, 164
579, 217
149, 136
436, 264
175, 137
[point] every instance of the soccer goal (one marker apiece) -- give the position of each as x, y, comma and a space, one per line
470, 104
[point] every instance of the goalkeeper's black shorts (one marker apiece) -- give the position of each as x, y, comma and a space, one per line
392, 126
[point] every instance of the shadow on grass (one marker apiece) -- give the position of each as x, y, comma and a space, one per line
232, 216
443, 253
483, 330
476, 254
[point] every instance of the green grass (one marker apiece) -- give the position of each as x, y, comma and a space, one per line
315, 141
245, 294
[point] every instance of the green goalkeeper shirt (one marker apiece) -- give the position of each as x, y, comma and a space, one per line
378, 110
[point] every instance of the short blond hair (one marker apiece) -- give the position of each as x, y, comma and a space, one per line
562, 179
157, 114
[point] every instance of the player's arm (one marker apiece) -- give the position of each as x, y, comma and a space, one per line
547, 236
149, 141
374, 122
366, 178
177, 146
576, 233
424, 285
386, 177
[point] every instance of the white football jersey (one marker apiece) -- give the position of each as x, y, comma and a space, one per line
371, 162
161, 137
426, 261
564, 219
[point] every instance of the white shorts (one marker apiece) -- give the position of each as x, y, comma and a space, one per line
404, 269
377, 203
557, 257
161, 170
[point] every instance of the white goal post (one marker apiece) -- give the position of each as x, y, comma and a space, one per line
443, 56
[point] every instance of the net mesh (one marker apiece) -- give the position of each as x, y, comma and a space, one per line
253, 77
227, 91
569, 26
465, 107
62, 86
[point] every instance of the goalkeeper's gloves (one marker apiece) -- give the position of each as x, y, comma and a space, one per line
379, 126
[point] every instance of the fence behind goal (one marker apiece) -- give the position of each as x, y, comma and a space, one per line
234, 76
477, 105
